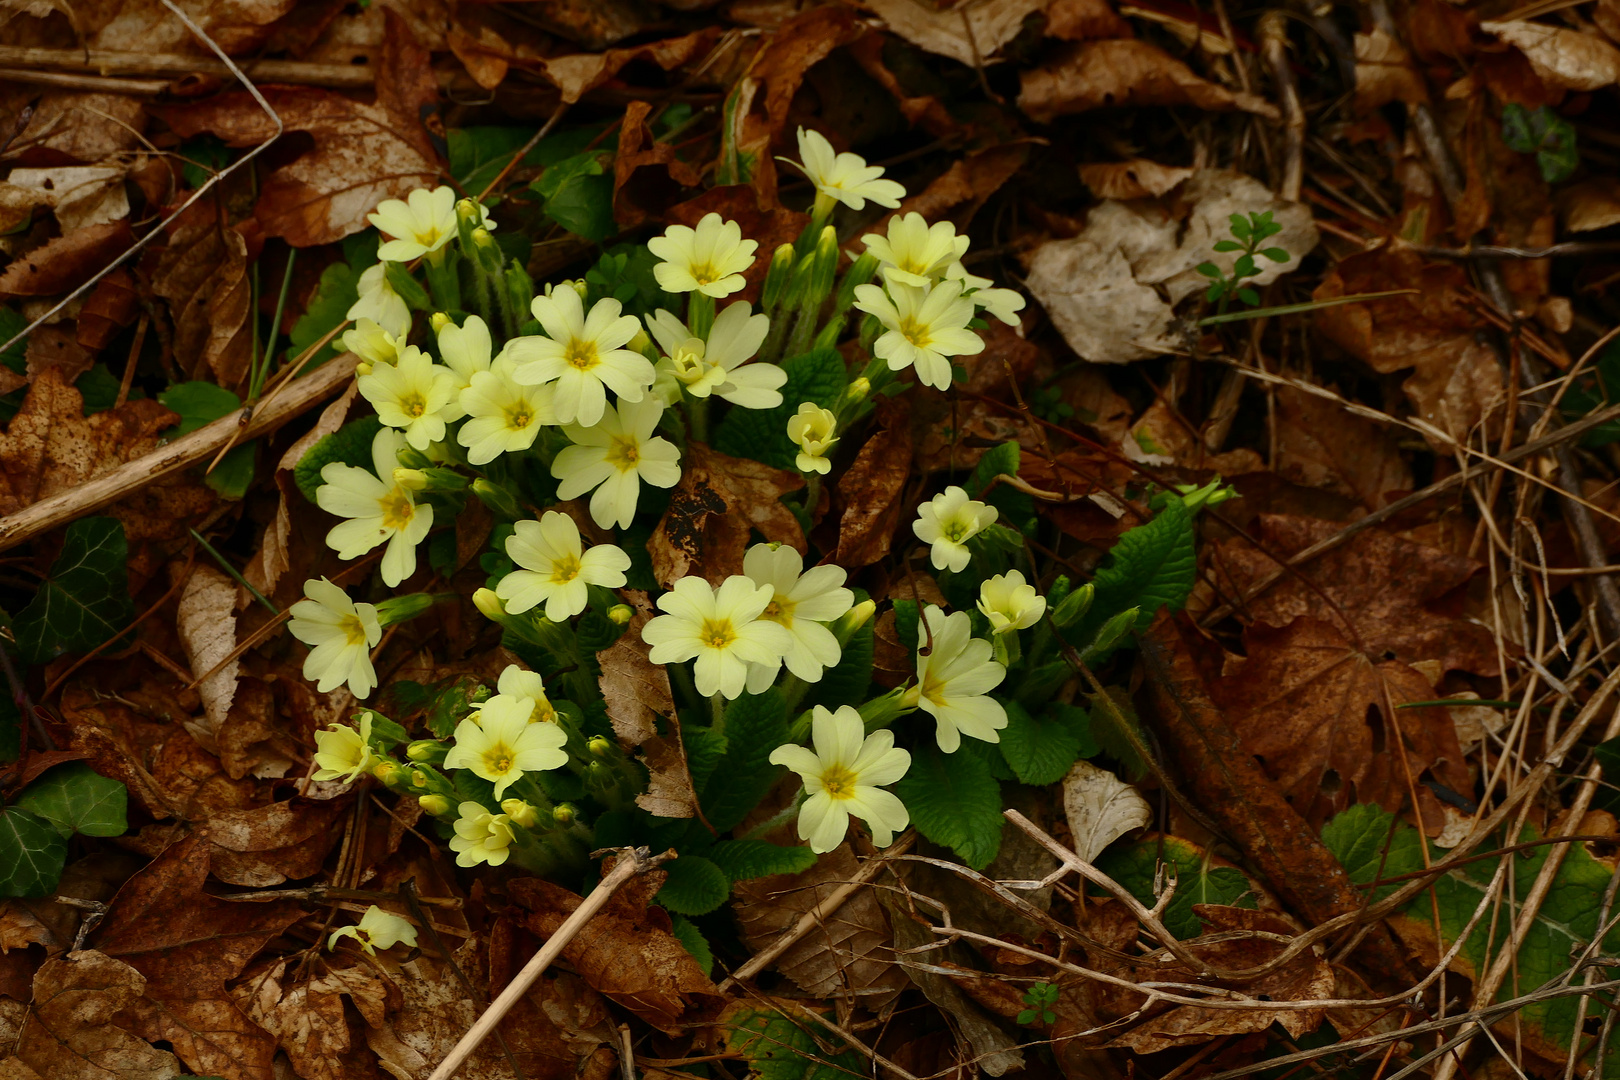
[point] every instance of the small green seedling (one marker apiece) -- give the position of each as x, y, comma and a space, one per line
1544, 133
1251, 231
1040, 998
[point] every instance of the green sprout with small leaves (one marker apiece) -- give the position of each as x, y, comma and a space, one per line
1252, 231
1040, 998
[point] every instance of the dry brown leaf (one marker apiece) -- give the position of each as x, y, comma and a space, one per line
111, 306
1101, 808
57, 348
1077, 20
1320, 444
79, 195
1384, 73
578, 74
203, 274
65, 263
1123, 71
83, 126
1137, 178
970, 34
1562, 56
308, 1019
637, 695
74, 1030
870, 493
712, 511
206, 622
1590, 204
627, 952
268, 845
647, 176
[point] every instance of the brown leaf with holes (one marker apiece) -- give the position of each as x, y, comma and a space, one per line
626, 952
76, 1028
870, 493
718, 503
1117, 72
309, 1021
65, 263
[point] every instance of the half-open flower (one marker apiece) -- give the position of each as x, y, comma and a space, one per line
814, 431
481, 837
1010, 603
556, 569
341, 752
380, 303
340, 634
844, 776
372, 344
947, 522
378, 929
845, 178
719, 365
954, 680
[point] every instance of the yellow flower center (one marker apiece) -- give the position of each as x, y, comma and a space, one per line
705, 274
839, 782
717, 633
398, 509
413, 405
426, 237
624, 454
582, 355
564, 570
519, 418
915, 332
354, 632
498, 759
780, 610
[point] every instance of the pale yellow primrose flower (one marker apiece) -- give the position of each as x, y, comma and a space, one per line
379, 303
420, 225
378, 929
372, 344
411, 394
718, 365
953, 681
843, 776
845, 178
915, 252
947, 522
523, 685
924, 327
481, 837
340, 634
801, 602
1004, 304
583, 354
504, 415
556, 568
811, 429
710, 259
465, 350
720, 628
499, 744
1009, 603
380, 511
615, 457
342, 753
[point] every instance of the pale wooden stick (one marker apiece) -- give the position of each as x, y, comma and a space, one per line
631, 861
818, 914
187, 450
111, 62
95, 83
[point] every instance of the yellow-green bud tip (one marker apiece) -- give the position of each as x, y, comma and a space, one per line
520, 812
620, 613
410, 479
437, 805
424, 750
487, 602
439, 320
600, 746
482, 238
563, 813
467, 208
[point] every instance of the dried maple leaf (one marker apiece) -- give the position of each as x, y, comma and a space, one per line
1320, 444
718, 503
626, 952
1399, 597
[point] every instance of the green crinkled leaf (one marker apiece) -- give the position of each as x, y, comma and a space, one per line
1039, 749
761, 434
578, 194
847, 682
328, 307
350, 444
955, 801
32, 854
755, 724
200, 403
695, 886
75, 799
705, 749
1151, 567
693, 941
1196, 883
745, 859
85, 601
1037, 686
1564, 924
777, 1048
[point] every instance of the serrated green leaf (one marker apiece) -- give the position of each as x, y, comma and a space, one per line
778, 1048
201, 403
1196, 882
746, 859
954, 801
761, 434
328, 307
85, 601
695, 886
1039, 749
75, 799
755, 724
705, 749
847, 682
578, 195
1151, 567
32, 854
693, 941
349, 444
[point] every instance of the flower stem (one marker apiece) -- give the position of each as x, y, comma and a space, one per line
700, 314
697, 419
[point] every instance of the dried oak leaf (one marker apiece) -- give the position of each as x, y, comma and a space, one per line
1327, 722
1562, 56
362, 153
870, 493
188, 944
65, 263
1118, 72
849, 951
202, 273
1321, 444
309, 1021
75, 1030
626, 952
718, 503
51, 446
1401, 598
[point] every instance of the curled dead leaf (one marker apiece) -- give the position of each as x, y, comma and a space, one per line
65, 263
1562, 56
1117, 72
206, 622
1137, 178
1101, 808
870, 493
970, 34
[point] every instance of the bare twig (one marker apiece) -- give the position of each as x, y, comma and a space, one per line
104, 62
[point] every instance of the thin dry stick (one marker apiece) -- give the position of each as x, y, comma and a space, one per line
112, 62
631, 861
818, 914
1274, 44
111, 486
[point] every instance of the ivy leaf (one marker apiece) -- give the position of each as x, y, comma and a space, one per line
200, 403
954, 801
746, 859
761, 434
695, 886
578, 196
778, 1048
693, 941
85, 601
32, 854
1196, 881
350, 444
1038, 749
1151, 567
73, 798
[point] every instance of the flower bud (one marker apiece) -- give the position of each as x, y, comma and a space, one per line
419, 778
520, 812
776, 278
564, 813
823, 269
489, 604
427, 751
861, 273
1074, 606
438, 321
412, 458
398, 609
411, 479
882, 711
620, 614
482, 238
599, 747
437, 805
499, 501
388, 771
853, 619
362, 369
467, 210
